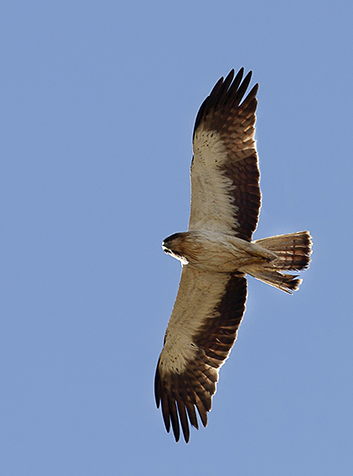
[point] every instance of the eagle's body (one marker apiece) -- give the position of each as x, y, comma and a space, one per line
217, 252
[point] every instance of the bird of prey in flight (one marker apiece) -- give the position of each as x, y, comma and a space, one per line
217, 252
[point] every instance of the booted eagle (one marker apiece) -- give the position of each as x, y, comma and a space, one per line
216, 254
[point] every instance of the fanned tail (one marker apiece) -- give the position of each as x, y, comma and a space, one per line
293, 254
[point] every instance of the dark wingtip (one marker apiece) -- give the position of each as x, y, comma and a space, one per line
157, 388
229, 91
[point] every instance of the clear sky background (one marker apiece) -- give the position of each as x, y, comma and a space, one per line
97, 105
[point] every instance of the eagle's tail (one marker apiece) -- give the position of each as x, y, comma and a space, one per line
293, 254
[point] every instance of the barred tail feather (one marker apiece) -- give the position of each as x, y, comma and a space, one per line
293, 254
283, 281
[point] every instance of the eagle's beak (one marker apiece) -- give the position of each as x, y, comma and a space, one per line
165, 249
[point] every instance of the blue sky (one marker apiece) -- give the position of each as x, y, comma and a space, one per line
98, 101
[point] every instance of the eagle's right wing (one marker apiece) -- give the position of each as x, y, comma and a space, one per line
201, 331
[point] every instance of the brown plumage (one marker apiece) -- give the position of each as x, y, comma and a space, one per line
216, 253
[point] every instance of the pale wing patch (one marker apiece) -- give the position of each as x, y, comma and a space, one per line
212, 204
198, 294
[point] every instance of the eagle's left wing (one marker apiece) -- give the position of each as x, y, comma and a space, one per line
201, 331
225, 192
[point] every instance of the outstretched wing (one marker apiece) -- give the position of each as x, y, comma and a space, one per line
200, 334
225, 192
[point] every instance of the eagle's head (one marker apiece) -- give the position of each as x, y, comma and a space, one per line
174, 246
